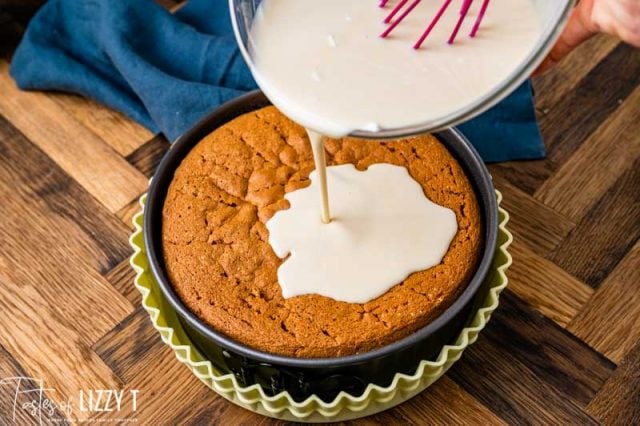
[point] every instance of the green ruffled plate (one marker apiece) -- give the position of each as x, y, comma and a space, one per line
282, 406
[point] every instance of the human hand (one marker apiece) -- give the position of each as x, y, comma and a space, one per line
620, 18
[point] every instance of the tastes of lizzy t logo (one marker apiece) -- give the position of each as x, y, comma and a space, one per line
28, 397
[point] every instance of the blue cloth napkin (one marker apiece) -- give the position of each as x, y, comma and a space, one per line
166, 71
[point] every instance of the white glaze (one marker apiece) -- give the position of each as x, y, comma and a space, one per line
323, 64
319, 157
383, 229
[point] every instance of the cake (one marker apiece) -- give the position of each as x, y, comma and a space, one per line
220, 263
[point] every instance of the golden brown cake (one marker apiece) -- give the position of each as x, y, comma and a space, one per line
221, 265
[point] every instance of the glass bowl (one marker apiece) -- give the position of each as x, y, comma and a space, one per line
553, 14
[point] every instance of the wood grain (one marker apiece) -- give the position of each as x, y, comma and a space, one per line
566, 124
610, 151
571, 121
39, 186
14, 379
532, 222
121, 278
170, 4
232, 414
57, 231
126, 213
561, 349
551, 87
47, 346
86, 157
147, 157
122, 134
444, 403
54, 308
525, 175
531, 368
618, 401
180, 390
606, 233
545, 286
610, 321
131, 346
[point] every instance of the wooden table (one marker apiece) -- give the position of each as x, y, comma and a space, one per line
562, 348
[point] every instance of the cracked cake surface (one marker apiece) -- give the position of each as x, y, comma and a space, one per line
217, 255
